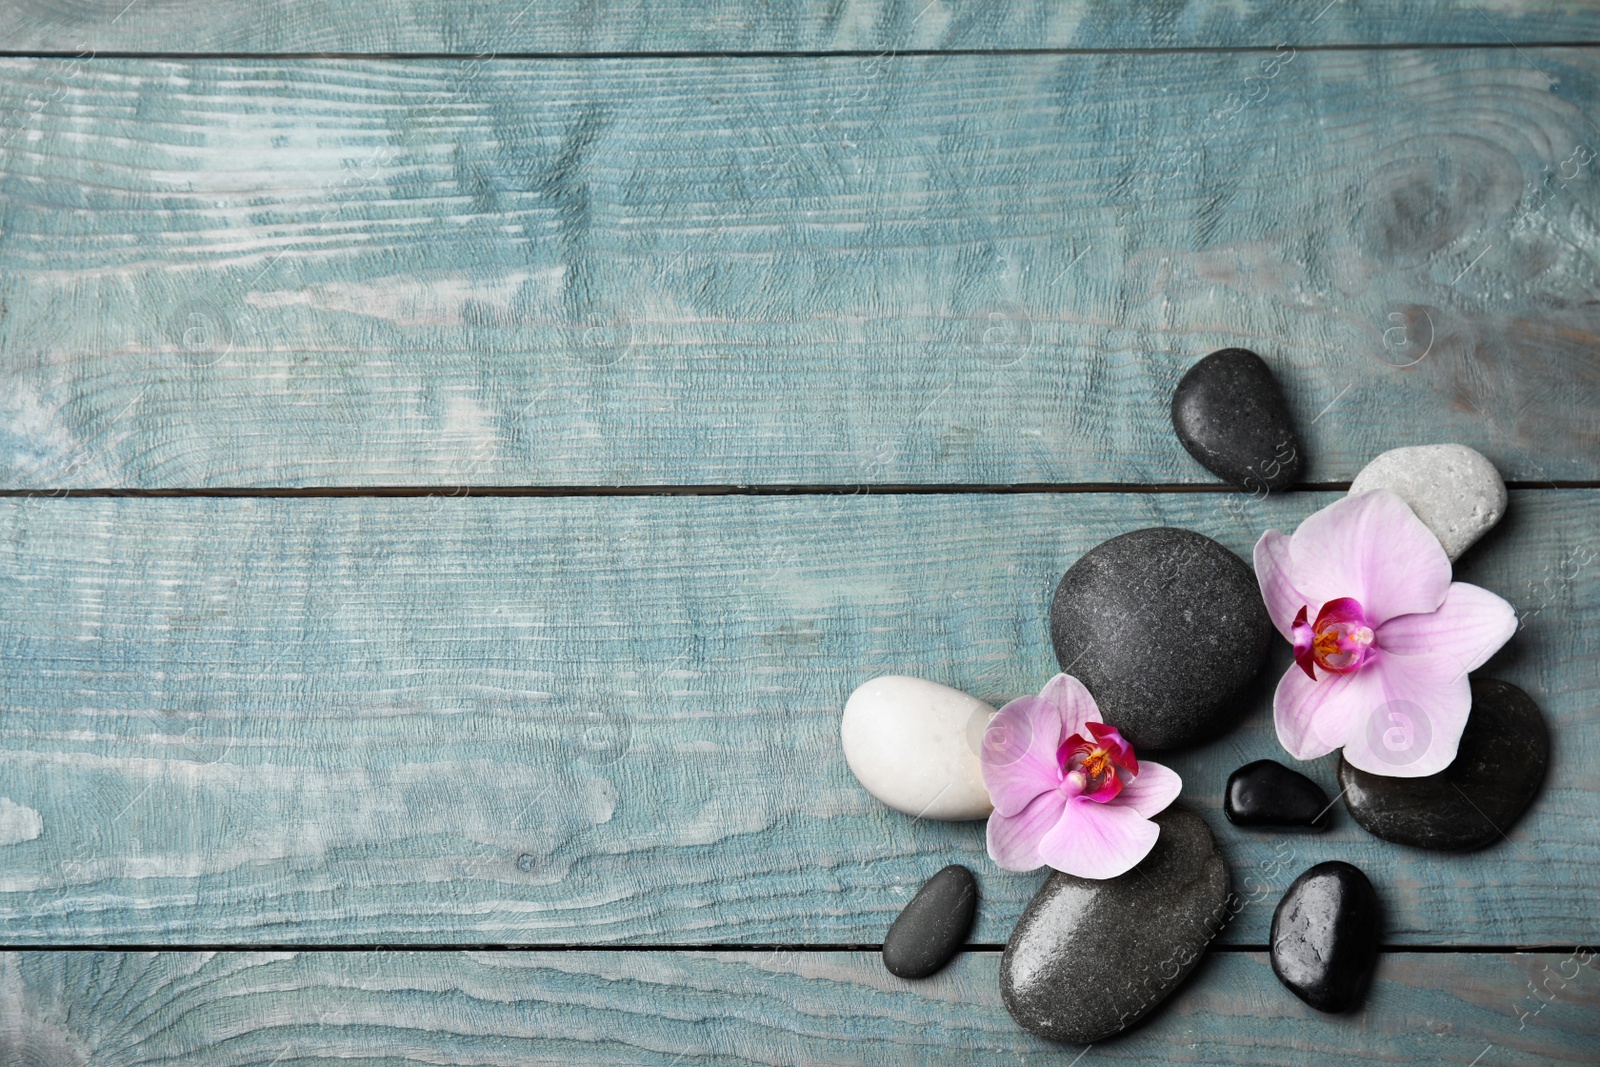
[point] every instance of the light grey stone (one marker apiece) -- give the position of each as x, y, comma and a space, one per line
1453, 489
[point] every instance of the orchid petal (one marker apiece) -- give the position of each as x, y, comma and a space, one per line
1371, 547
1014, 839
1470, 626
1151, 790
1273, 570
1072, 703
1098, 840
1314, 717
1413, 709
1019, 753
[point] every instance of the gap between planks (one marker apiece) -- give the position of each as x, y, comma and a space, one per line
843, 53
906, 489
575, 946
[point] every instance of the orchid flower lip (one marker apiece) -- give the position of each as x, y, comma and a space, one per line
1096, 766
1339, 642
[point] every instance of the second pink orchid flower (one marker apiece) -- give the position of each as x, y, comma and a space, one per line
1383, 639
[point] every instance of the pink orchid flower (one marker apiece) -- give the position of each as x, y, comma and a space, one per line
1383, 639
1067, 789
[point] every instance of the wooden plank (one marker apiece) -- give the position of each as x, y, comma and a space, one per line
624, 26
949, 269
674, 1008
577, 720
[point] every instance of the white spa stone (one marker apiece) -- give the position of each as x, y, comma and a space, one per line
914, 745
1453, 489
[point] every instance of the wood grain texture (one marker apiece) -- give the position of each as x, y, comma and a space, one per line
948, 269
670, 1008
608, 26
576, 720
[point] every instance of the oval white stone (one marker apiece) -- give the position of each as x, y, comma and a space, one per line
914, 745
1453, 489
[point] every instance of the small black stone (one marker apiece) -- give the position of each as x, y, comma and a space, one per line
1230, 415
1166, 628
933, 926
1089, 958
1498, 768
1325, 936
1266, 793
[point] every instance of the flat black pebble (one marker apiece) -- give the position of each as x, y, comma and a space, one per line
1325, 936
1266, 793
933, 926
1230, 415
1498, 768
1089, 959
1166, 628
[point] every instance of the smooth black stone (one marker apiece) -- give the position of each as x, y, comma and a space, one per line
1497, 771
1230, 415
1089, 959
1266, 793
1166, 628
931, 929
1325, 936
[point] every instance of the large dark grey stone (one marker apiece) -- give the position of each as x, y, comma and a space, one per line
1166, 628
934, 925
1497, 771
1090, 959
1230, 414
1325, 936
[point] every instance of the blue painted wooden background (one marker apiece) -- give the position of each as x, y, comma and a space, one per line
383, 386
